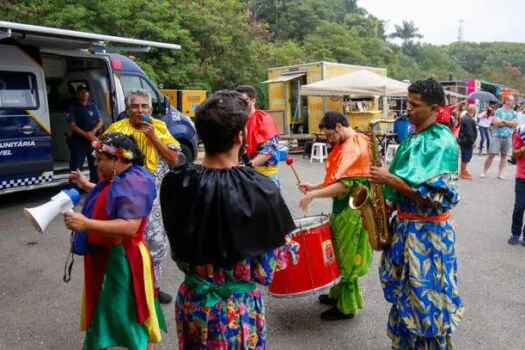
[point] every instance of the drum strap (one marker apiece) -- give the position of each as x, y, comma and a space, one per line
216, 292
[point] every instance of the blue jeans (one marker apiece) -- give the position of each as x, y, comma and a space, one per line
519, 208
484, 133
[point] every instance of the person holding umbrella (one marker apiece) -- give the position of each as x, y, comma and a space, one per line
505, 121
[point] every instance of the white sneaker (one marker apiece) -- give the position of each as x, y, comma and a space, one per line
483, 175
501, 177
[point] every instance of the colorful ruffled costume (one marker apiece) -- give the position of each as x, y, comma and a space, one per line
419, 271
349, 163
263, 138
227, 232
119, 305
158, 167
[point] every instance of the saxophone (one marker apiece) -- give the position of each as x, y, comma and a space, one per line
373, 206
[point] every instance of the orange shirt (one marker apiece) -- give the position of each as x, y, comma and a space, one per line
348, 159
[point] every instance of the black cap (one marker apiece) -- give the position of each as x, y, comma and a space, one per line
82, 87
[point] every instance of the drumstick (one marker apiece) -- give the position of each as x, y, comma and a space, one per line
289, 161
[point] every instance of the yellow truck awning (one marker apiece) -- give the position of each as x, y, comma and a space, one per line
283, 78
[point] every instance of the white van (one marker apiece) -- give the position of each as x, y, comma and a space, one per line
40, 68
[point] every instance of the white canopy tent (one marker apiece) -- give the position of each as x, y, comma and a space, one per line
359, 83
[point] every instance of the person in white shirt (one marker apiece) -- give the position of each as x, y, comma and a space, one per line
484, 121
521, 124
521, 116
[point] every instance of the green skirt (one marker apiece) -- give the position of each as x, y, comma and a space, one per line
354, 256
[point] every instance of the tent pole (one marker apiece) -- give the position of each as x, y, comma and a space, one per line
385, 104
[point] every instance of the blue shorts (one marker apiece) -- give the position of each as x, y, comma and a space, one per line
466, 154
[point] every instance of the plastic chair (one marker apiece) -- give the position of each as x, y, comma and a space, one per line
319, 152
390, 153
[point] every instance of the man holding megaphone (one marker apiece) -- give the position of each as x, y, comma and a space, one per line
119, 304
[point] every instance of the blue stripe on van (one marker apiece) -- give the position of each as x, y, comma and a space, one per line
23, 155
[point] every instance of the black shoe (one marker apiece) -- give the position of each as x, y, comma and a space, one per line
334, 314
164, 298
326, 300
513, 240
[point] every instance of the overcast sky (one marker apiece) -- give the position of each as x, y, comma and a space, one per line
438, 20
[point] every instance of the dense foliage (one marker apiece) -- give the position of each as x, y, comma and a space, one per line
230, 42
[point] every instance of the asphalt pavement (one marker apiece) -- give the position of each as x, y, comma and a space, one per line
39, 311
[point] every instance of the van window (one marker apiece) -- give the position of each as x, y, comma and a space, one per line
133, 82
146, 86
18, 90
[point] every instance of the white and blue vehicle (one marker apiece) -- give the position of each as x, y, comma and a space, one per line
40, 68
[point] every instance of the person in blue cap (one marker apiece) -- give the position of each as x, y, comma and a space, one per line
85, 122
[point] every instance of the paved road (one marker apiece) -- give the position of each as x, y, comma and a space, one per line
39, 311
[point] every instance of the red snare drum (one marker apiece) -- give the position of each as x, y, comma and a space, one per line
317, 267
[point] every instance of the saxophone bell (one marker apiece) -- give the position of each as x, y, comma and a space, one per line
358, 198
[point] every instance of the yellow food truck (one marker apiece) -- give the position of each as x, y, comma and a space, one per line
301, 114
186, 101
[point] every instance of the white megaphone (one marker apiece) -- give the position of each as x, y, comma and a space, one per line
42, 215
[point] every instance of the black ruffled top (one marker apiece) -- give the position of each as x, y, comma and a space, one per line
222, 216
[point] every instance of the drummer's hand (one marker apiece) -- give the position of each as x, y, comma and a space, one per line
75, 221
305, 187
379, 175
305, 202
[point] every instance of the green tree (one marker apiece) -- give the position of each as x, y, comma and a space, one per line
407, 32
334, 42
230, 42
285, 53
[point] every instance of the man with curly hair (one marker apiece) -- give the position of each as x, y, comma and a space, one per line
418, 271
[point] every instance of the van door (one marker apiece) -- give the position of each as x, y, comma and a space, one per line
25, 135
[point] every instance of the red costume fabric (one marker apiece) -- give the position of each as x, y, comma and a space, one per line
260, 128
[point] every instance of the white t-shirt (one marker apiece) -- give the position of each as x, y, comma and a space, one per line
483, 120
521, 119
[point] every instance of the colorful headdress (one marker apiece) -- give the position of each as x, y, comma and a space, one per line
101, 145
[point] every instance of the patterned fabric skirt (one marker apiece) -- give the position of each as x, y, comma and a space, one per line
418, 275
155, 234
156, 239
234, 323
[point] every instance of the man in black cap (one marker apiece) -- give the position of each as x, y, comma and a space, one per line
85, 122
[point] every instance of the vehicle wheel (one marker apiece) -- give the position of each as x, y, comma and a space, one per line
188, 154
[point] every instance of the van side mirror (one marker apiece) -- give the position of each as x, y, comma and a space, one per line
162, 106
166, 104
